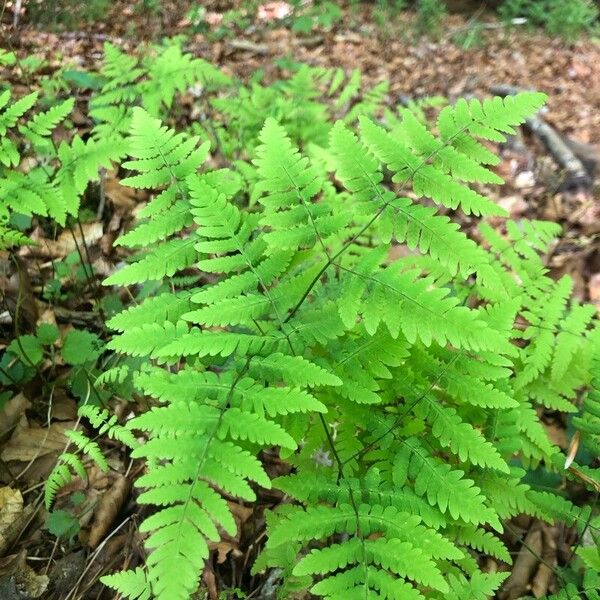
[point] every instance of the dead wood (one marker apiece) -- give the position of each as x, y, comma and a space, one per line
564, 153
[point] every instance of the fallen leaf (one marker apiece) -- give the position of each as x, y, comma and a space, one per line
515, 206
65, 244
594, 289
124, 198
213, 18
63, 407
223, 549
107, 510
573, 447
13, 517
11, 414
34, 442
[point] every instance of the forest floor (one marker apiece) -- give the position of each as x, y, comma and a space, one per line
415, 68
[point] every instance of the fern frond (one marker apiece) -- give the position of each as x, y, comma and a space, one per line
427, 179
11, 114
42, 124
166, 260
159, 154
131, 584
291, 185
443, 486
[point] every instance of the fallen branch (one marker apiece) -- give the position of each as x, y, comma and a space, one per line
247, 46
576, 175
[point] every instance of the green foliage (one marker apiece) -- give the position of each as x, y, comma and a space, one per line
320, 15
398, 404
270, 316
566, 19
571, 18
62, 524
429, 17
55, 184
68, 13
80, 347
81, 447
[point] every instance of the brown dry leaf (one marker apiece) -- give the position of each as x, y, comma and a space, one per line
65, 244
223, 548
240, 513
210, 581
11, 414
63, 407
543, 578
230, 544
107, 510
572, 452
213, 18
524, 566
515, 206
11, 506
9, 565
12, 517
123, 198
272, 11
35, 442
47, 316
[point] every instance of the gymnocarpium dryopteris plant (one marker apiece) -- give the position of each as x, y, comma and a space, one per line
225, 111
54, 185
404, 393
152, 81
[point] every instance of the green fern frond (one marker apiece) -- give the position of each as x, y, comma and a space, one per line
427, 179
160, 155
42, 124
12, 113
442, 485
132, 584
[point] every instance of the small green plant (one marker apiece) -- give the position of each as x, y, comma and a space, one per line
63, 525
470, 37
429, 17
567, 19
80, 446
320, 15
66, 12
385, 13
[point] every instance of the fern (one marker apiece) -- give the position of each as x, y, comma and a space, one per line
55, 186
71, 463
394, 388
28, 191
